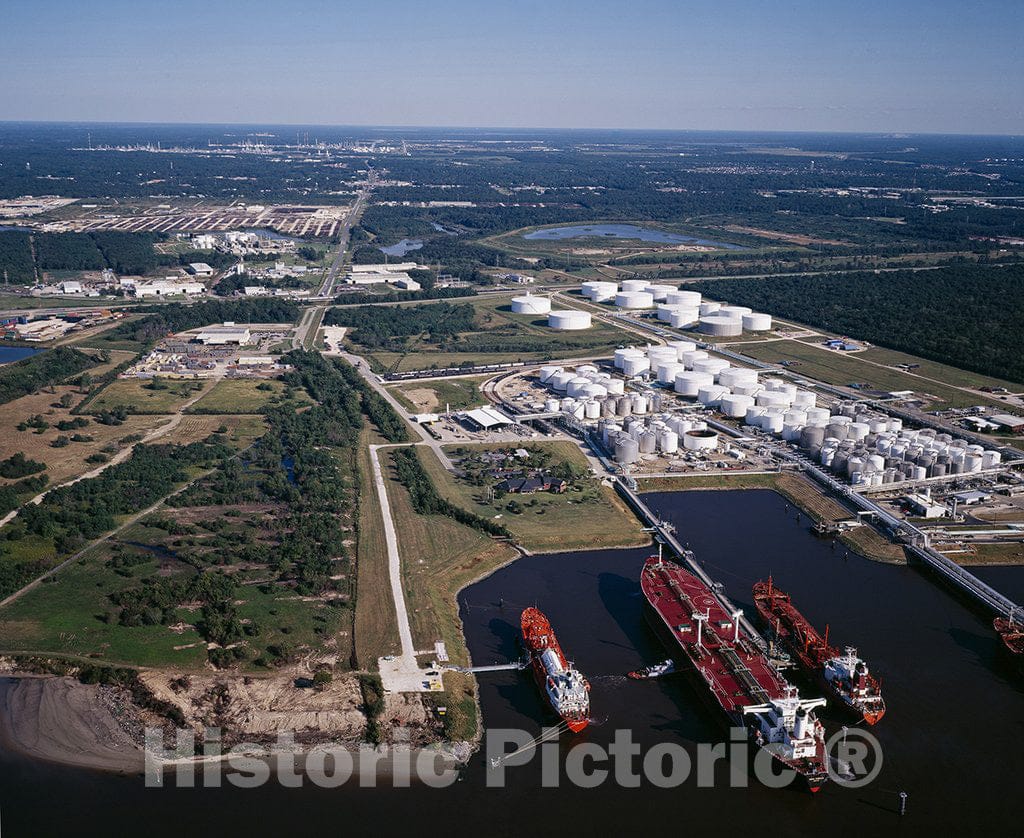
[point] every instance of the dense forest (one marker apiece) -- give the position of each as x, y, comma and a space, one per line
970, 316
123, 253
42, 370
377, 327
167, 318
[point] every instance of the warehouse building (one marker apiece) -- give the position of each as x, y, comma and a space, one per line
228, 333
1006, 422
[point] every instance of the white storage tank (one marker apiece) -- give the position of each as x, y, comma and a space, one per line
684, 318
735, 406
621, 355
732, 376
551, 405
702, 440
627, 450
689, 383
804, 399
735, 311
615, 387
690, 299
661, 354
560, 380
639, 404
756, 321
665, 312
599, 292
635, 365
668, 441
634, 299
990, 459
569, 320
708, 307
648, 442
595, 391
634, 284
721, 326
659, 292
547, 371
592, 409
667, 372
529, 304
586, 369
711, 365
575, 387
681, 346
691, 356
711, 394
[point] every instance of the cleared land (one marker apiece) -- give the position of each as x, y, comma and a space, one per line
159, 395
243, 395
430, 396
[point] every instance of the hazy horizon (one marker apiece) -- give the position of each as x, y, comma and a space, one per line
914, 67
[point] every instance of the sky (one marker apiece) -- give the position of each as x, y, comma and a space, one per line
943, 66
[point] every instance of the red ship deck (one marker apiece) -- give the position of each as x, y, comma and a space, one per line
791, 627
738, 674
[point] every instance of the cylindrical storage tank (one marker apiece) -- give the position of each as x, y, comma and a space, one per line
818, 416
711, 394
616, 387
648, 442
639, 404
634, 299
662, 354
668, 442
575, 387
703, 440
569, 320
854, 464
586, 369
634, 284
659, 292
565, 405
608, 407
682, 346
551, 405
684, 318
708, 307
635, 365
990, 459
665, 312
689, 383
690, 299
735, 406
857, 430
937, 470
623, 406
600, 292
735, 311
875, 462
594, 391
592, 409
529, 304
560, 380
755, 321
972, 462
812, 437
804, 399
547, 371
769, 398
791, 431
753, 415
796, 417
667, 372
720, 326
772, 422
627, 352
627, 450
747, 389
732, 376
837, 431
711, 365
691, 356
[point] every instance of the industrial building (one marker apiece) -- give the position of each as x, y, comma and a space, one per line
486, 418
923, 507
228, 333
1013, 424
200, 269
167, 288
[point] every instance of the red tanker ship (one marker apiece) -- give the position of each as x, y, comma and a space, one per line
740, 679
566, 690
843, 676
1011, 633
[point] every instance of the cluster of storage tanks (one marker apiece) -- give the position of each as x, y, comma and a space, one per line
680, 309
566, 320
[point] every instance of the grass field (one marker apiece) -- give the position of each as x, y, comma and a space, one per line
941, 372
376, 627
430, 396
1003, 553
69, 461
242, 430
592, 518
501, 337
843, 369
136, 396
243, 395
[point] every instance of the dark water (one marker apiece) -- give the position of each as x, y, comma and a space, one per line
15, 353
267, 233
622, 231
402, 247
952, 738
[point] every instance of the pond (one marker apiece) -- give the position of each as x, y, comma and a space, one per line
622, 231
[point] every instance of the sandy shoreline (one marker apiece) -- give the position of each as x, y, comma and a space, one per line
63, 721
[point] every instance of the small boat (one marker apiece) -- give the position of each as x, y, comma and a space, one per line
665, 667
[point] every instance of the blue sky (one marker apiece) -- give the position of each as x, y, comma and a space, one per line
861, 65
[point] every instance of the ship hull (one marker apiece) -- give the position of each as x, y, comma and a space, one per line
539, 639
811, 772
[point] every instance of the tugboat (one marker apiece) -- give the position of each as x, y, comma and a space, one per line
843, 676
665, 667
1011, 632
565, 688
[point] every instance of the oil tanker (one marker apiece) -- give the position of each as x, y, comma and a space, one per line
729, 668
843, 676
565, 689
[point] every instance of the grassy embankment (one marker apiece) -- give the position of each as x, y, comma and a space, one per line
432, 396
799, 491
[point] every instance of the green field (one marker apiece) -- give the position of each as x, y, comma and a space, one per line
846, 368
429, 396
163, 395
500, 337
246, 395
591, 517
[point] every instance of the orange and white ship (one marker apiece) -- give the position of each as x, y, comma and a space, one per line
565, 688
